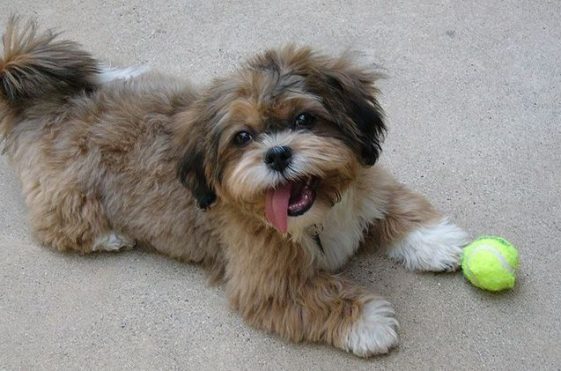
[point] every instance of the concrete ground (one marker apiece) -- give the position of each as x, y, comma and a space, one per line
473, 100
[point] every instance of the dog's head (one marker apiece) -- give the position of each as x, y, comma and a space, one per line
283, 137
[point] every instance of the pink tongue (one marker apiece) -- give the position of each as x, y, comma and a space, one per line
276, 206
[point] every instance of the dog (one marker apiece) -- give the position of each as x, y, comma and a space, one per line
267, 177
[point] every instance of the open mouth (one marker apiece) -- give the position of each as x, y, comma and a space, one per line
294, 198
302, 196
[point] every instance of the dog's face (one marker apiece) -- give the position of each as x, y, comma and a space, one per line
283, 137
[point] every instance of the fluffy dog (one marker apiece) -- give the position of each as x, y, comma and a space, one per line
267, 177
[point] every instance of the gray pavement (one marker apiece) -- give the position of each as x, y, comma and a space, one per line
473, 100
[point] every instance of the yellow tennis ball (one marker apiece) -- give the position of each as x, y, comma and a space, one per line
490, 263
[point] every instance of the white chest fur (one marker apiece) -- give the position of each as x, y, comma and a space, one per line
344, 227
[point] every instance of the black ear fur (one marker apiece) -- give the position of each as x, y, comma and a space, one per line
356, 95
192, 175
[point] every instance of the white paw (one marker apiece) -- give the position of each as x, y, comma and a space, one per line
112, 242
433, 248
375, 332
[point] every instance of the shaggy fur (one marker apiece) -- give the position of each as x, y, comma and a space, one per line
110, 159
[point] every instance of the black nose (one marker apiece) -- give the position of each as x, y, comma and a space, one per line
278, 158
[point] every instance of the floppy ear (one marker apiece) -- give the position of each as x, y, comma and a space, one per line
350, 98
192, 174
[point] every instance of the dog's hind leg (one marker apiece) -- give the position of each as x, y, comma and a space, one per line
71, 220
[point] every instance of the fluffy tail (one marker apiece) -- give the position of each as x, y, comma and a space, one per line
36, 65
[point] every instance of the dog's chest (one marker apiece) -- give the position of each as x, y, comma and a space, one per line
342, 231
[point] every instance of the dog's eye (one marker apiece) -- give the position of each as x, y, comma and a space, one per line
242, 138
304, 120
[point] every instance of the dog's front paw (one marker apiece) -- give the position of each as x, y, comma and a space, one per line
375, 332
434, 248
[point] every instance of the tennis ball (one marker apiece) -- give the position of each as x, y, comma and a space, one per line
490, 263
